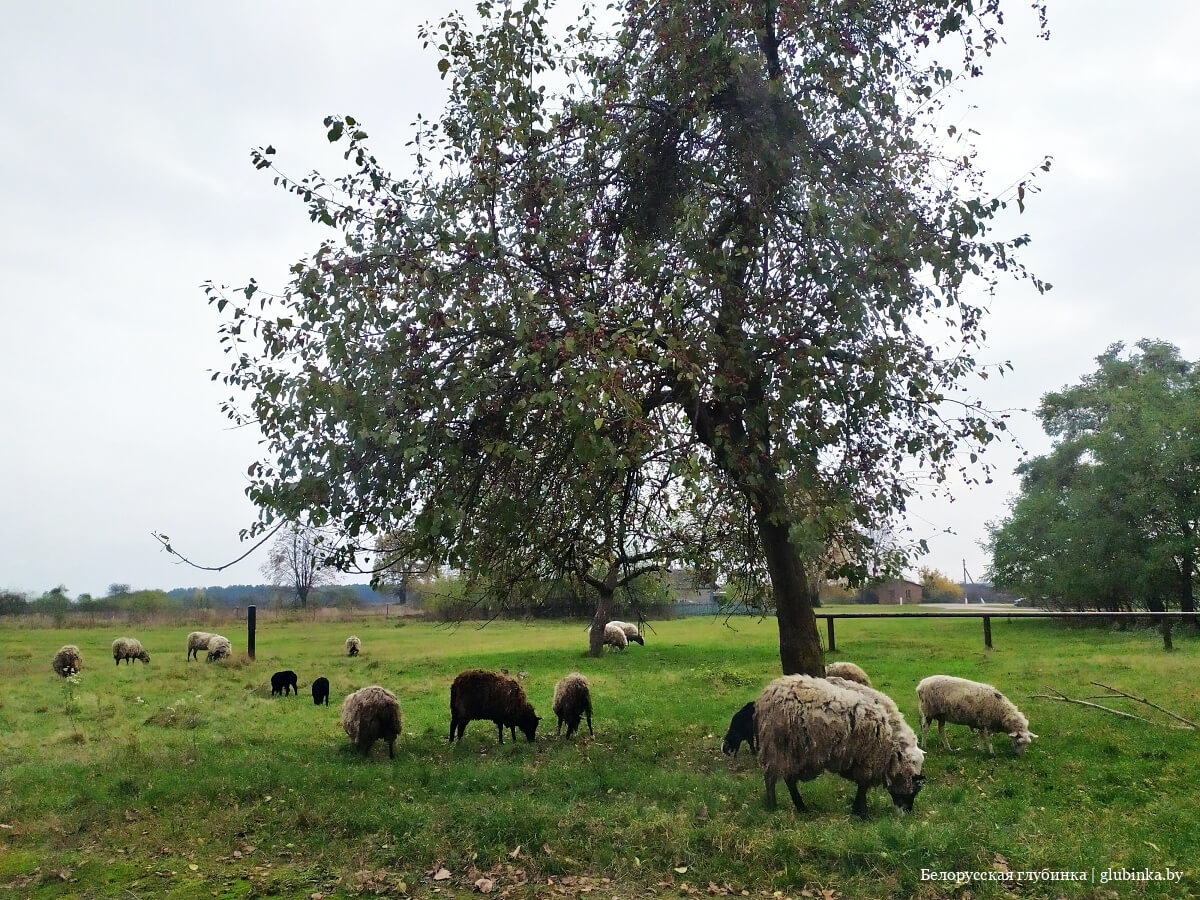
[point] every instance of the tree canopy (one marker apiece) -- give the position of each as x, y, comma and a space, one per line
1108, 519
703, 246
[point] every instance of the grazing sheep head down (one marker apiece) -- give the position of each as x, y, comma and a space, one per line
1021, 740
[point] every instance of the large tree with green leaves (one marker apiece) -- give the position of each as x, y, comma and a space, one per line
711, 237
1109, 517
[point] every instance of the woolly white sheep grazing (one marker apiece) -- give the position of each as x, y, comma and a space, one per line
218, 648
197, 641
847, 670
809, 725
963, 702
371, 714
67, 661
631, 632
353, 645
129, 649
904, 739
614, 636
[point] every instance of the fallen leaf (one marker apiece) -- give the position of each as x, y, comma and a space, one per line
485, 885
441, 874
516, 854
193, 867
681, 869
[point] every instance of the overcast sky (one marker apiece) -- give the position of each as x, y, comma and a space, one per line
127, 183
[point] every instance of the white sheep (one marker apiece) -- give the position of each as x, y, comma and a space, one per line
614, 636
631, 632
353, 646
371, 714
809, 725
67, 661
847, 670
129, 649
980, 706
218, 648
197, 641
904, 738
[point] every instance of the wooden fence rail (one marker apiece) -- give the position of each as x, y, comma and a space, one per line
1165, 620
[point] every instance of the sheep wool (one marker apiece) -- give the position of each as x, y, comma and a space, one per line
980, 706
631, 632
478, 694
197, 641
353, 646
809, 725
218, 648
371, 714
129, 649
573, 701
847, 670
282, 682
614, 636
67, 661
910, 757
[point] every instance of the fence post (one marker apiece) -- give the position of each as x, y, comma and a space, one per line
829, 631
250, 623
1166, 633
987, 632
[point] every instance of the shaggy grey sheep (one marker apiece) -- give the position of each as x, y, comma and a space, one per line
631, 632
741, 730
320, 691
353, 645
371, 714
282, 682
904, 739
476, 694
67, 661
572, 701
847, 670
197, 641
129, 649
809, 725
982, 707
614, 636
218, 648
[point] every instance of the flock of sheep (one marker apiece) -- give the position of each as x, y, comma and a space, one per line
800, 725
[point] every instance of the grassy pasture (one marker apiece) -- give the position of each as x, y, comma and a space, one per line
188, 780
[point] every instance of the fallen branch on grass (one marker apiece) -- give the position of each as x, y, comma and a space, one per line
1117, 694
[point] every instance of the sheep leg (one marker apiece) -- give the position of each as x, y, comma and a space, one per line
942, 734
453, 725
770, 798
500, 732
796, 800
859, 806
512, 731
559, 732
589, 721
987, 737
391, 748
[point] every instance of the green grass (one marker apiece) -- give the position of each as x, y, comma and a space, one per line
189, 780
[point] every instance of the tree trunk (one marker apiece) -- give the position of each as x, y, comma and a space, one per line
799, 642
604, 599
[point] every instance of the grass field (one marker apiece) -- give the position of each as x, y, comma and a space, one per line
188, 780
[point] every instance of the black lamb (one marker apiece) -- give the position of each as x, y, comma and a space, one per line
741, 728
282, 682
320, 689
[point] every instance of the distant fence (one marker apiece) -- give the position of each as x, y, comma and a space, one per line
1165, 620
683, 610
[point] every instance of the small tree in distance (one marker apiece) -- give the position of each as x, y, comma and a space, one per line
296, 562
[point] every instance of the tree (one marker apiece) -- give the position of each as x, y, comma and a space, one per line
296, 561
708, 239
938, 587
1109, 517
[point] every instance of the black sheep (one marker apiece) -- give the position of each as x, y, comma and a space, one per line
320, 689
282, 682
741, 728
476, 694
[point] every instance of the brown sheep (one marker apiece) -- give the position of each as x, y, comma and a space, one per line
476, 694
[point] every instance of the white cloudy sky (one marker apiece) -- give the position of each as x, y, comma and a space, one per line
127, 183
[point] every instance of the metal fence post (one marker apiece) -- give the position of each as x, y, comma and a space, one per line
829, 631
987, 632
250, 623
